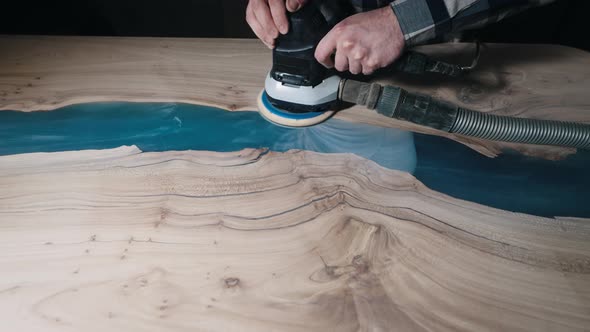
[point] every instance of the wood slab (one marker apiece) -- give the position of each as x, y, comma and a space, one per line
44, 73
119, 240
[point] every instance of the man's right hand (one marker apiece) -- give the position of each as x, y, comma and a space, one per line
268, 18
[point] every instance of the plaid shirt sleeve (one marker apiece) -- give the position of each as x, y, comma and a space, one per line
424, 21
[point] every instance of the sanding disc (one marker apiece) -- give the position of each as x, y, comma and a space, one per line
289, 119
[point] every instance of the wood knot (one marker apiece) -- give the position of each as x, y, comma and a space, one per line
231, 282
360, 265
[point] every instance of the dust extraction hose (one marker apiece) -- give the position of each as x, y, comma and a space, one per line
424, 110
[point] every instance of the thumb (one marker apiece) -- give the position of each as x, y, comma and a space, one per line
295, 5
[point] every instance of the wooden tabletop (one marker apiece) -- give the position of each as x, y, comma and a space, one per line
252, 240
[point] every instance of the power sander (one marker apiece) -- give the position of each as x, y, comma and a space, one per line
300, 92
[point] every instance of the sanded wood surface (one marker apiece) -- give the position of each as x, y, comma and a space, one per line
118, 240
43, 73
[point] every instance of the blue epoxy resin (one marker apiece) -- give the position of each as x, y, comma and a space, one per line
510, 182
162, 127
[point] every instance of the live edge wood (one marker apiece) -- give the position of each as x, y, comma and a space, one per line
118, 240
43, 73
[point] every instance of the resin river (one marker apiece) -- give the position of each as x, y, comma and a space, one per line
509, 182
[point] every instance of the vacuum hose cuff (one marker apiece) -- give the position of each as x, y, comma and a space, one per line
397, 103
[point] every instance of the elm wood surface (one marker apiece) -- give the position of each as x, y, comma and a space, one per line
44, 73
255, 241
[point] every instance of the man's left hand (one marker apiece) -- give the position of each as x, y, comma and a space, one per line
363, 42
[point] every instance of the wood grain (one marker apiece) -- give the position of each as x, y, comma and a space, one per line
119, 240
44, 73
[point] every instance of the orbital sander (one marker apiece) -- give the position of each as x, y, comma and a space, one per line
300, 92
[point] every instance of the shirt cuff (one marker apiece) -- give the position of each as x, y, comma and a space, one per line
415, 20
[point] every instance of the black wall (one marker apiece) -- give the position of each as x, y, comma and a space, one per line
565, 22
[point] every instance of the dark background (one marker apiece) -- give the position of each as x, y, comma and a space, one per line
564, 22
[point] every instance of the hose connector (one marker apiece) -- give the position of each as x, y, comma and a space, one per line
359, 93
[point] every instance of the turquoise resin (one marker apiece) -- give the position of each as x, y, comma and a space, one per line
509, 182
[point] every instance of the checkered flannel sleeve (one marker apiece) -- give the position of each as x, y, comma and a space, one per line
427, 21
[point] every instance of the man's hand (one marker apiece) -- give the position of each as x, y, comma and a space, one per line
268, 18
363, 42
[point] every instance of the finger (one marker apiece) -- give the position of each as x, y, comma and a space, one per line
369, 67
295, 5
356, 58
257, 28
368, 70
341, 63
354, 65
262, 14
279, 15
325, 49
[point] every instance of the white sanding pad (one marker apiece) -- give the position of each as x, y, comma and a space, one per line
288, 119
